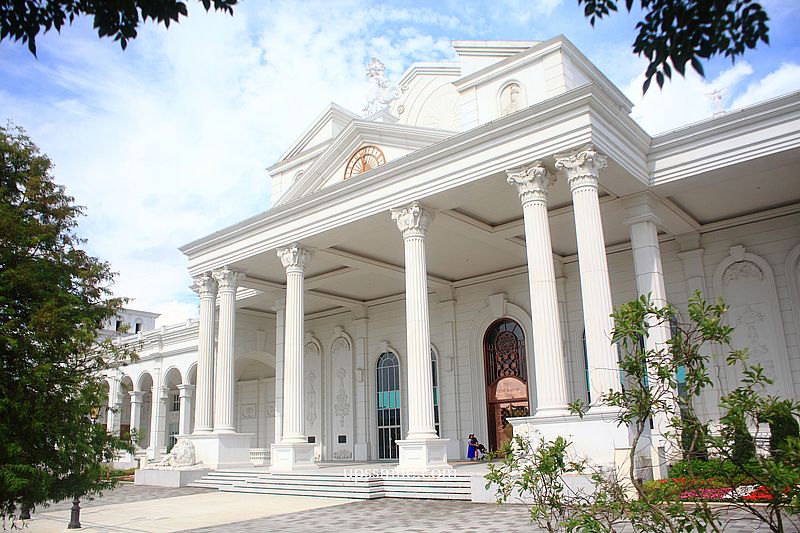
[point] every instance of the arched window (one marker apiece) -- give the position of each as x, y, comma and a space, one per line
388, 389
435, 376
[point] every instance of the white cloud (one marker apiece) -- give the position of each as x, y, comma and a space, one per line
682, 100
168, 141
782, 81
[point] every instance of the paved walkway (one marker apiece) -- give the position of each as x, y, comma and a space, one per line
135, 509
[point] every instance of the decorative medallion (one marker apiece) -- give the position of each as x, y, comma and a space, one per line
364, 159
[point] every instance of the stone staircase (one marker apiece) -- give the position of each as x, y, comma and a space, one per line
337, 485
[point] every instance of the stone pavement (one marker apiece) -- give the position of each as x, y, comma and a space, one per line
136, 509
417, 516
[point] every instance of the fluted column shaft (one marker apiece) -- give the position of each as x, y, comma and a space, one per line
206, 287
136, 409
224, 378
185, 393
294, 259
533, 185
280, 325
413, 222
582, 171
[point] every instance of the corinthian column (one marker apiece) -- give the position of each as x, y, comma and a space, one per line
295, 259
413, 222
533, 184
224, 379
422, 450
582, 171
293, 452
206, 287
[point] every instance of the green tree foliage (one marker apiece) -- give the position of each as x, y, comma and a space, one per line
22, 20
676, 32
783, 426
53, 298
708, 459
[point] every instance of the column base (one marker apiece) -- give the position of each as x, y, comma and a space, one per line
222, 450
422, 456
292, 456
596, 436
550, 412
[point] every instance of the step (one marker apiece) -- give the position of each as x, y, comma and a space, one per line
306, 483
304, 492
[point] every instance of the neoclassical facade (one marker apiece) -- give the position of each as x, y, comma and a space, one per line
448, 263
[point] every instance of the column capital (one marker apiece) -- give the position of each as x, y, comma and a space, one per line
227, 278
294, 257
186, 390
412, 220
136, 396
533, 183
205, 285
582, 168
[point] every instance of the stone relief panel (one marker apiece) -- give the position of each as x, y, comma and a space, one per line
511, 99
312, 391
746, 283
341, 399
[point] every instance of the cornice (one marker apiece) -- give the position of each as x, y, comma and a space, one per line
537, 52
429, 69
573, 117
756, 131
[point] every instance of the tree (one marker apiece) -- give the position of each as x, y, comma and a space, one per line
676, 32
23, 20
721, 465
53, 298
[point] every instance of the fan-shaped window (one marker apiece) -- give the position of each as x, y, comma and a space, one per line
388, 389
505, 351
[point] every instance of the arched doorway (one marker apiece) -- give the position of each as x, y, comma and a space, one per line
506, 378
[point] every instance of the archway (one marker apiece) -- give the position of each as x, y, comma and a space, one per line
125, 388
172, 416
506, 372
145, 417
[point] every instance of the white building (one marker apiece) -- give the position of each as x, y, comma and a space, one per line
452, 259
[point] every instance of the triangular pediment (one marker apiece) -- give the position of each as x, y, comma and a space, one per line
325, 127
394, 140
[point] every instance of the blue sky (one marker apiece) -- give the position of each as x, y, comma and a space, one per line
168, 141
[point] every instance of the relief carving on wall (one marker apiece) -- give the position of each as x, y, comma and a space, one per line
249, 410
742, 270
510, 98
342, 405
342, 454
311, 398
752, 320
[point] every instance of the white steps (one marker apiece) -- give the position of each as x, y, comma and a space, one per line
338, 485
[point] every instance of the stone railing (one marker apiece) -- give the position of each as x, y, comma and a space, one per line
259, 456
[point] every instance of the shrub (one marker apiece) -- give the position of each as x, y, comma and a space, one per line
782, 426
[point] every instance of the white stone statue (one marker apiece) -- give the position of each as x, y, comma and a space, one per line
181, 457
383, 92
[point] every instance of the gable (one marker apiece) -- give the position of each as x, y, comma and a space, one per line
325, 127
328, 169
